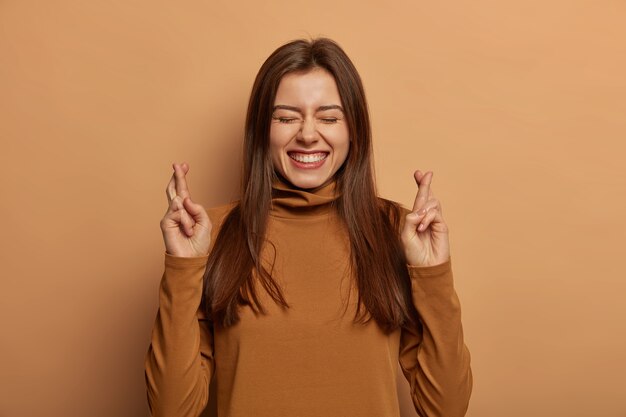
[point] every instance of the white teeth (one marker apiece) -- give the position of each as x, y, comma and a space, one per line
315, 157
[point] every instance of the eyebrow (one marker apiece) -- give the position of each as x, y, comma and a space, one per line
299, 110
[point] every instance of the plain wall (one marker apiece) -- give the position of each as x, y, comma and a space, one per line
517, 107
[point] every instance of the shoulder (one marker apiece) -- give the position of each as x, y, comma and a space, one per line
394, 211
389, 205
217, 214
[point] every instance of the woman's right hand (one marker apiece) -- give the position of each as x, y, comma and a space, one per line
186, 226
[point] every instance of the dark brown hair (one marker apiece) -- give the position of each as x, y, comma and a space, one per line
377, 259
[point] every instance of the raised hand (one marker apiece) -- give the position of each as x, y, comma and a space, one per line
185, 226
425, 233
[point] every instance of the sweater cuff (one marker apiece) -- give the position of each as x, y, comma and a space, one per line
431, 270
183, 262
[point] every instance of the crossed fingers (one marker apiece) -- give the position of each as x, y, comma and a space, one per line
425, 205
177, 185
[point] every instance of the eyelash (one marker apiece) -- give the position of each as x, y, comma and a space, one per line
287, 120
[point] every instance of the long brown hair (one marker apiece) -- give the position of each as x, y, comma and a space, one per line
377, 258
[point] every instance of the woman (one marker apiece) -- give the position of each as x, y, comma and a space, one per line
256, 291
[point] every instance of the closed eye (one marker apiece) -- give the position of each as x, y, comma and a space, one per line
285, 119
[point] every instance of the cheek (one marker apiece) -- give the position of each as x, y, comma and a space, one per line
344, 154
275, 140
281, 135
277, 147
341, 143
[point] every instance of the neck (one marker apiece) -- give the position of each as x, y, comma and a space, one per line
289, 201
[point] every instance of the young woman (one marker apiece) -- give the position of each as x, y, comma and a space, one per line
303, 296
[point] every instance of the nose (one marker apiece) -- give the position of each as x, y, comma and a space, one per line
307, 133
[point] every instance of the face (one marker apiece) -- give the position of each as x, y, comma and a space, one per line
309, 138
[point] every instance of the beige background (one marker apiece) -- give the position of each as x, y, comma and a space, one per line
517, 107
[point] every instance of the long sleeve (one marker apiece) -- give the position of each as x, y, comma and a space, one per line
179, 363
434, 357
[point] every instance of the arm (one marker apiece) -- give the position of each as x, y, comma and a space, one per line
179, 363
433, 357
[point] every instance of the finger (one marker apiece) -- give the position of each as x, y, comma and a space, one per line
423, 184
187, 222
178, 217
180, 214
414, 217
411, 221
428, 218
432, 203
175, 205
196, 211
181, 183
172, 216
170, 190
431, 194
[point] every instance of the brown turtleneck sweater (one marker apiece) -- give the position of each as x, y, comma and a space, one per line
310, 360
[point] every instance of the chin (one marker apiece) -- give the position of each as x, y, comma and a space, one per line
306, 183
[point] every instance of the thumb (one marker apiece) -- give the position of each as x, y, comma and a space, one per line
195, 210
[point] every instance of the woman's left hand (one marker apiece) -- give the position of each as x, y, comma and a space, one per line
425, 233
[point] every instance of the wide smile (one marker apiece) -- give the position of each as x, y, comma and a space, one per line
308, 160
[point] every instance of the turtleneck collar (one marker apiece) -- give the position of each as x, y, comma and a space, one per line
291, 202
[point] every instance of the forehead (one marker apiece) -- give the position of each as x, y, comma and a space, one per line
310, 87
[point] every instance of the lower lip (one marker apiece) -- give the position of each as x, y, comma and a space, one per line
308, 165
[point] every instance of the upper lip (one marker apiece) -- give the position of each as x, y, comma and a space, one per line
306, 151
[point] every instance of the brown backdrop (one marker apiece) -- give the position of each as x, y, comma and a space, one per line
517, 107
